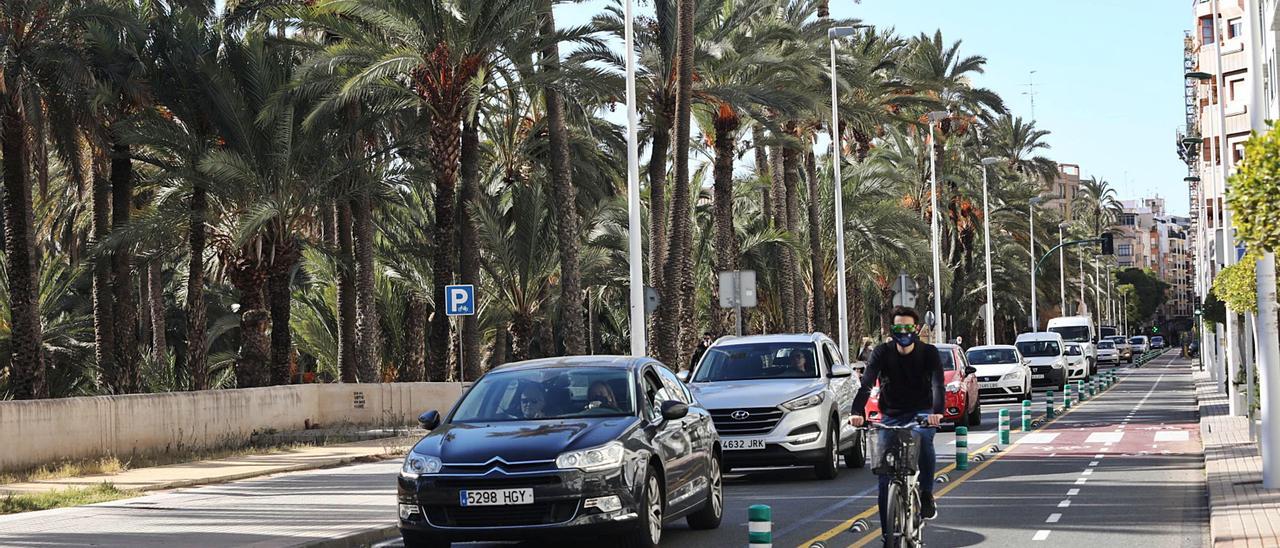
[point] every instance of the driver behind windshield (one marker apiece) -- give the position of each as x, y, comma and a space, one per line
601, 395
799, 366
532, 402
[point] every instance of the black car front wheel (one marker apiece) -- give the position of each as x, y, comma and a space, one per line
415, 539
709, 516
648, 531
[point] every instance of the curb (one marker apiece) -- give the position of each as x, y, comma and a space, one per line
355, 539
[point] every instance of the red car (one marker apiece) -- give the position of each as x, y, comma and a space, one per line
963, 407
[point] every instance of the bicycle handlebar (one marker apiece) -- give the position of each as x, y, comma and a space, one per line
921, 421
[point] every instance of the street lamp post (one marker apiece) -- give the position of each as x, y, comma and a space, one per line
986, 229
842, 309
1062, 269
939, 332
1097, 292
634, 250
1031, 222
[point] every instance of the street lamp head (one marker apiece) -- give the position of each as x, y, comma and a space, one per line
840, 32
937, 116
1035, 200
1198, 75
989, 161
1064, 225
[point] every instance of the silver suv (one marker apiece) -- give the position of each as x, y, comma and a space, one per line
780, 400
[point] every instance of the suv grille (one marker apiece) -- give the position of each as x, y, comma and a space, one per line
989, 378
538, 513
759, 420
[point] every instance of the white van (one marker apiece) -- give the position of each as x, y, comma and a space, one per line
1079, 329
1045, 354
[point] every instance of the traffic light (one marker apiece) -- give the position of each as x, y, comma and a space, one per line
1108, 243
1155, 329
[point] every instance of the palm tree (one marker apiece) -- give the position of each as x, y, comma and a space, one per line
1098, 203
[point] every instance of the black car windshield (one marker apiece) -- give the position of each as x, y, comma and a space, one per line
740, 362
983, 356
545, 394
1039, 349
1076, 333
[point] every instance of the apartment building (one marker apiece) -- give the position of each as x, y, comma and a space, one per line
1061, 193
1146, 237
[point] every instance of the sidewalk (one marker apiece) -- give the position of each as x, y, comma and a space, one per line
1241, 513
227, 469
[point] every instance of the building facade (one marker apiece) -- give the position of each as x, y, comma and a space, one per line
1062, 190
1148, 238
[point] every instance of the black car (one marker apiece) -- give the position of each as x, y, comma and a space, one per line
588, 445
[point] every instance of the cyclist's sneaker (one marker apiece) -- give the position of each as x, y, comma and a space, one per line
928, 508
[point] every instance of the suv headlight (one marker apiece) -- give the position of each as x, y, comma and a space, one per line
416, 465
604, 457
953, 386
1011, 375
805, 402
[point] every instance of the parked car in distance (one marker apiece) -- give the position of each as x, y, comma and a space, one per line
963, 407
1123, 347
1108, 353
1077, 364
1002, 371
1157, 342
1140, 343
591, 446
780, 400
1046, 356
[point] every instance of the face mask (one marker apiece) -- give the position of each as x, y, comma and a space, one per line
904, 339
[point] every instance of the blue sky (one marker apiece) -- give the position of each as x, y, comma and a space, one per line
1108, 77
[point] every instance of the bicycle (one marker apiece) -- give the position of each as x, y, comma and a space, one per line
898, 456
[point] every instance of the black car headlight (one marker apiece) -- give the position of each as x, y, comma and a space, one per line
604, 457
416, 465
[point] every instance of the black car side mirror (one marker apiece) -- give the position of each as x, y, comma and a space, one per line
674, 410
429, 420
969, 370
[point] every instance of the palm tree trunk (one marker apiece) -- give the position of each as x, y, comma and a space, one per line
501, 340
27, 373
677, 271
469, 250
726, 241
521, 336
126, 311
778, 214
824, 9
196, 319
286, 255
144, 305
762, 167
573, 328
249, 276
817, 314
368, 333
791, 179
443, 149
857, 314
104, 329
155, 304
415, 340
348, 363
658, 200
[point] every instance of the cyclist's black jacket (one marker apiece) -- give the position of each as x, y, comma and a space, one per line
908, 383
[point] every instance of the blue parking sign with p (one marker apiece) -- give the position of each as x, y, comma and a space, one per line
459, 300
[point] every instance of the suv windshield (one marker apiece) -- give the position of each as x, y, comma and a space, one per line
992, 355
742, 362
1137, 340
553, 393
1106, 345
1075, 333
1039, 349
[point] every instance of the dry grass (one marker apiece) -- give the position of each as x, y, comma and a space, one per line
76, 496
114, 465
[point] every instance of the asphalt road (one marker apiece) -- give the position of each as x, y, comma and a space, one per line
1123, 469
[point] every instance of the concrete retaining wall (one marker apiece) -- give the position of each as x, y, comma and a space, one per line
37, 432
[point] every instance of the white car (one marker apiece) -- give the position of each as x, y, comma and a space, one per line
1108, 353
1077, 364
1078, 329
1002, 371
1141, 345
1043, 352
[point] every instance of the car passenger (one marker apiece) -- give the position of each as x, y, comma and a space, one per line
601, 395
799, 365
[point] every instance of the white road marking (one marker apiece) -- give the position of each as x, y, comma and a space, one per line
1041, 535
1104, 437
1093, 463
1039, 438
978, 438
1073, 492
1087, 472
1064, 504
1053, 518
1172, 435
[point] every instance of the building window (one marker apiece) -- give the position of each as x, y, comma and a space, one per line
1128, 219
1234, 27
1125, 250
1231, 88
1206, 29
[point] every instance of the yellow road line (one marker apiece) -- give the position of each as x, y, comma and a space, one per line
874, 534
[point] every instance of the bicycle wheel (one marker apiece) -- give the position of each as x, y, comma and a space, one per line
895, 531
915, 534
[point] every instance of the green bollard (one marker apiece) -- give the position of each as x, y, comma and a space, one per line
1081, 391
759, 526
1004, 426
1048, 404
1066, 396
962, 448
1026, 415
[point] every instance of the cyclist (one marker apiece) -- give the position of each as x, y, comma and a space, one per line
911, 384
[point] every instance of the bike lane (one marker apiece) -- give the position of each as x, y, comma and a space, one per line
1122, 469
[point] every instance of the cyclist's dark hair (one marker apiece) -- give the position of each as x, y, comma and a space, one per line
906, 311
